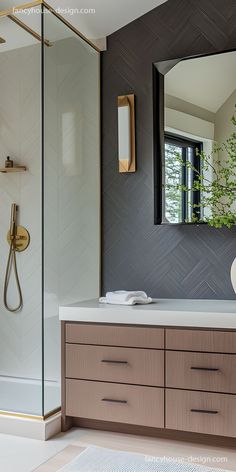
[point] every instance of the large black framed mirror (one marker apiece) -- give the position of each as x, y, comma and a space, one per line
194, 101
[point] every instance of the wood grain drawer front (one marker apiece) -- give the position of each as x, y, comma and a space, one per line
129, 336
206, 341
201, 412
117, 403
115, 364
201, 371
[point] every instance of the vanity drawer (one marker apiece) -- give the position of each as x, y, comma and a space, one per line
152, 338
114, 402
115, 364
194, 340
201, 412
201, 371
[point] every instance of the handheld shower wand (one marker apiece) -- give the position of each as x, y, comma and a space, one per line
13, 222
18, 239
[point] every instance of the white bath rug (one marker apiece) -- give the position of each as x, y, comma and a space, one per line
96, 459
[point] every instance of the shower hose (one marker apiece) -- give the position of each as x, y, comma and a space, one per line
11, 263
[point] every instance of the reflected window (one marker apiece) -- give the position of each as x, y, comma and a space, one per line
182, 166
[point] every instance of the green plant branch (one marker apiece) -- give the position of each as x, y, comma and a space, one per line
219, 194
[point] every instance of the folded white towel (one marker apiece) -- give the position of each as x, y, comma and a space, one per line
123, 297
131, 301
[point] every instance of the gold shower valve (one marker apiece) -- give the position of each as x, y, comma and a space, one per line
21, 240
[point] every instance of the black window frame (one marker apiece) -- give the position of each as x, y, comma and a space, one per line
197, 146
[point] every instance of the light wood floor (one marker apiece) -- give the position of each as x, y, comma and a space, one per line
78, 439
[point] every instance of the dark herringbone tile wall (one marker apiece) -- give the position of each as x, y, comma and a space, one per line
166, 261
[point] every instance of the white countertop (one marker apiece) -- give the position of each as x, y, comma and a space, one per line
162, 312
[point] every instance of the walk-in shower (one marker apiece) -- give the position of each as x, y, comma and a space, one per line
49, 126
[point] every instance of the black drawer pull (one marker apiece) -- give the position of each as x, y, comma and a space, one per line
209, 412
207, 369
107, 361
113, 401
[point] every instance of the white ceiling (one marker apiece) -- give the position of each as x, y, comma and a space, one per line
110, 15
206, 82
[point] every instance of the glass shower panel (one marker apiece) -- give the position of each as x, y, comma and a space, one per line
71, 185
20, 138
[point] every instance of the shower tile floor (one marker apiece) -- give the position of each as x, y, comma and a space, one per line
26, 455
29, 395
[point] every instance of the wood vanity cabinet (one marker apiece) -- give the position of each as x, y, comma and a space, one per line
159, 379
200, 386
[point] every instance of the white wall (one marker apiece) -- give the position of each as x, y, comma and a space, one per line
223, 125
188, 124
72, 183
20, 334
71, 196
72, 171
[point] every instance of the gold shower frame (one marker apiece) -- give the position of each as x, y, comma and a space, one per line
10, 13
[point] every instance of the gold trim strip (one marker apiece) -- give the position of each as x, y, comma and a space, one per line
52, 413
29, 30
20, 415
24, 6
30, 417
72, 28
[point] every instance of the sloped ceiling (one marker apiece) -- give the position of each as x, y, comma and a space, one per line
206, 82
109, 15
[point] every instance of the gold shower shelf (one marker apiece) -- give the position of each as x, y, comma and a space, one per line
6, 170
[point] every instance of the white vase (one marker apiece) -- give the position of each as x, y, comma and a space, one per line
233, 274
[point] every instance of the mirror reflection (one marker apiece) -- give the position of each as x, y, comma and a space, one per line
200, 141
